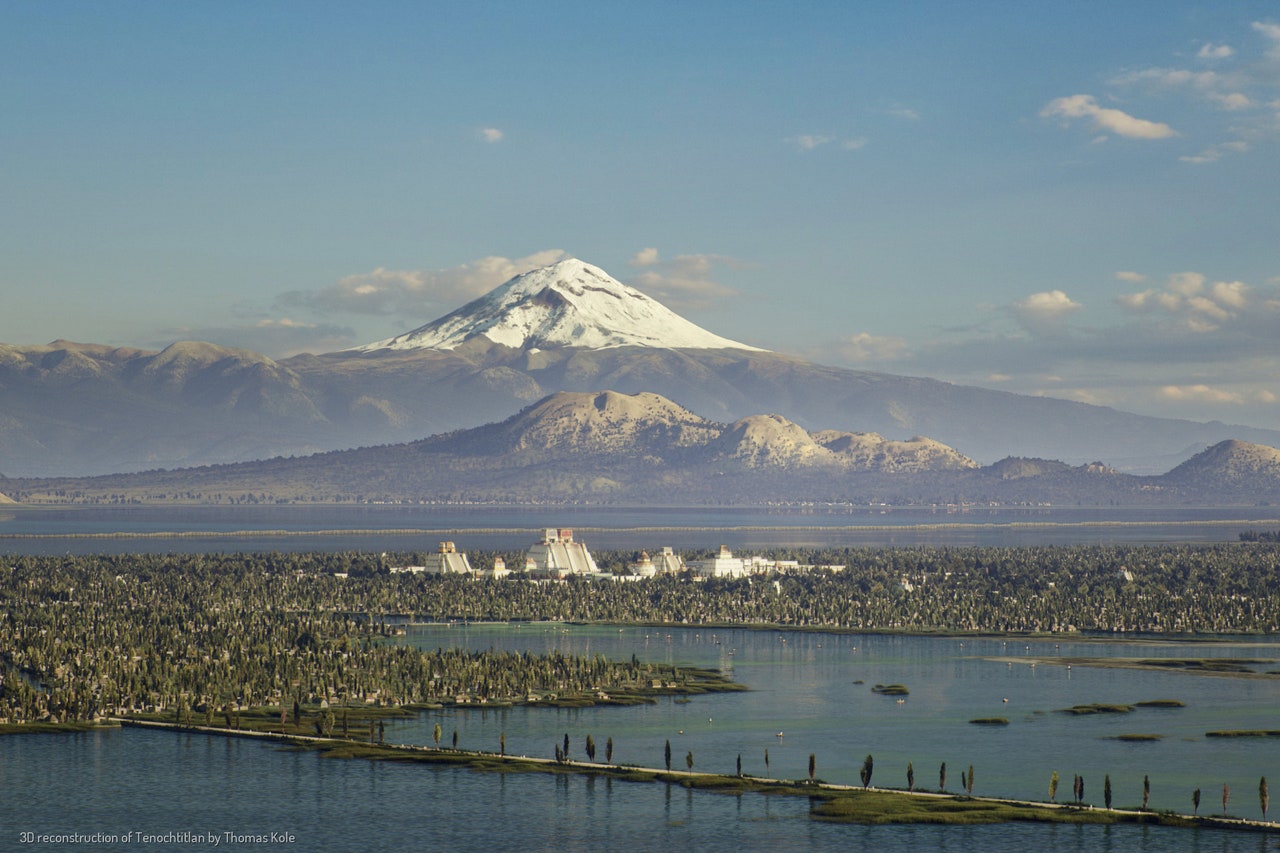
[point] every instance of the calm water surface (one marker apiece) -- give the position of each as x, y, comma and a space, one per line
88, 530
810, 693
156, 783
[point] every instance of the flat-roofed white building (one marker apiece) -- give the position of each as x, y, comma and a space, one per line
722, 565
557, 555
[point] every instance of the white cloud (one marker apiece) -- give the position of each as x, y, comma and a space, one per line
1215, 51
1133, 277
1214, 153
1106, 118
491, 134
1186, 283
1200, 394
1199, 309
1045, 312
1269, 30
644, 258
865, 348
416, 293
683, 283
1232, 294
276, 338
810, 141
1231, 100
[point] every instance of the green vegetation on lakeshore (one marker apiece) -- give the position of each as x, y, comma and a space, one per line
891, 690
1096, 708
884, 807
197, 636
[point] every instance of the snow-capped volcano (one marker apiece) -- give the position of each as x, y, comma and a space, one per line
569, 303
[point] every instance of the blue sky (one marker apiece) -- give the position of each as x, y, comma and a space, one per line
1075, 199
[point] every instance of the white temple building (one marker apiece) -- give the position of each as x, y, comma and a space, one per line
558, 556
667, 562
723, 565
447, 560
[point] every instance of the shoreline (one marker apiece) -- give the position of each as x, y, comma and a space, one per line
828, 801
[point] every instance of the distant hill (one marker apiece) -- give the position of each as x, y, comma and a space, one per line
76, 409
607, 447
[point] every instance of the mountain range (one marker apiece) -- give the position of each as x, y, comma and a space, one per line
613, 448
81, 409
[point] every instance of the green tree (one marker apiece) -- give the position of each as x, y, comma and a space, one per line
608, 750
1053, 787
591, 748
868, 764
766, 759
666, 754
436, 734
739, 765
1226, 794
1146, 791
1195, 801
911, 777
969, 784
565, 748
1264, 797
942, 777
688, 759
813, 765
1106, 790
502, 743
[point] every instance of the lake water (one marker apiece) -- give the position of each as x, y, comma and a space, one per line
89, 530
804, 699
804, 686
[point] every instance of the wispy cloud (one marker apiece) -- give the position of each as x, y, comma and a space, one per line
1238, 85
1187, 346
275, 337
1215, 51
1189, 304
414, 293
867, 349
685, 282
491, 134
811, 141
1105, 119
